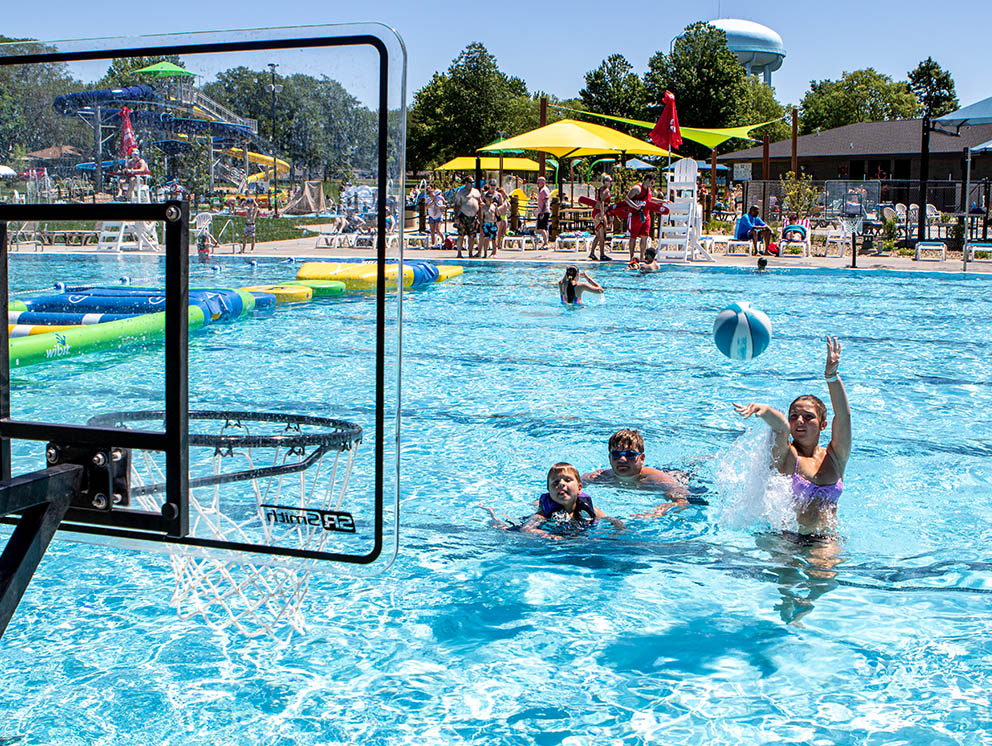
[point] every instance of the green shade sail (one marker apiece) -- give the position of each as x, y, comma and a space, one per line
165, 69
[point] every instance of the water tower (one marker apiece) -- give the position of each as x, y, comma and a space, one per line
757, 47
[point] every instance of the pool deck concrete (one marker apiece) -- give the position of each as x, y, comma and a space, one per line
304, 248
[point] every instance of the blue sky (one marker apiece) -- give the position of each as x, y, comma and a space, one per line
552, 45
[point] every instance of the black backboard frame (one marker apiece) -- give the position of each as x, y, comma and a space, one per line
173, 527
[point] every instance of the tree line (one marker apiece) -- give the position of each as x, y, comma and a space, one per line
473, 103
324, 130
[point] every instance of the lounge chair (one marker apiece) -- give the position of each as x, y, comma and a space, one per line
799, 235
27, 233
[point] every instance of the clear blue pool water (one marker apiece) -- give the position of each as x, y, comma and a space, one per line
703, 626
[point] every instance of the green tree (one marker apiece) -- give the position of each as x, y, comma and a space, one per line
317, 124
934, 89
614, 88
798, 194
27, 119
463, 109
762, 106
859, 96
709, 84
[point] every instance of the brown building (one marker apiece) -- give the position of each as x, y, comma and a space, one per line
872, 150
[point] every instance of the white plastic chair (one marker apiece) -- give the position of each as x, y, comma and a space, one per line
838, 237
201, 224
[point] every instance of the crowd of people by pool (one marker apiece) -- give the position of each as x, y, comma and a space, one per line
479, 217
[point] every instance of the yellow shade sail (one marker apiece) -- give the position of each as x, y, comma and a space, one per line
710, 137
569, 138
467, 163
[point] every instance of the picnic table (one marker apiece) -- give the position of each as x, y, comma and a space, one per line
575, 218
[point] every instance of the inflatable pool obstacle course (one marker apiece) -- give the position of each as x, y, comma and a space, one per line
91, 318
415, 273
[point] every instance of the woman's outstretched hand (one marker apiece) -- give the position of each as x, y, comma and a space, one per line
746, 410
833, 357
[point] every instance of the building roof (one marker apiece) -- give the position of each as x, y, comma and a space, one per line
56, 151
868, 139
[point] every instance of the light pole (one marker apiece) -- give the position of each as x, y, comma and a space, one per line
274, 88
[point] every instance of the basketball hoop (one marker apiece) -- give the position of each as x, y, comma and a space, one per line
852, 224
262, 595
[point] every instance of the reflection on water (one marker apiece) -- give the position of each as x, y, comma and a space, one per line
803, 568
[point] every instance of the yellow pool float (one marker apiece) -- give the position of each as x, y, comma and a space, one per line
284, 293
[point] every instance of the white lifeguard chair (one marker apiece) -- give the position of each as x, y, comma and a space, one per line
120, 236
680, 231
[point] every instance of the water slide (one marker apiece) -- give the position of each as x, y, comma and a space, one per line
72, 103
282, 167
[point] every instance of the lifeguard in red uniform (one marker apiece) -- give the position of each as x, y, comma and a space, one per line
639, 222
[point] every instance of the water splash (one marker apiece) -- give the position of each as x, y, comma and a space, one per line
756, 493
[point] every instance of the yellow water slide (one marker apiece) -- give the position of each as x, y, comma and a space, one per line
282, 167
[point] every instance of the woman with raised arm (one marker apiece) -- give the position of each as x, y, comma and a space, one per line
574, 284
817, 473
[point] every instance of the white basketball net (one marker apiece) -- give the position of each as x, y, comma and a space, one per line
256, 599
851, 224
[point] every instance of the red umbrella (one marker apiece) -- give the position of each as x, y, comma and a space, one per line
127, 141
666, 133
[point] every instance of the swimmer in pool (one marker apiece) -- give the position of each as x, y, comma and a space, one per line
571, 287
627, 469
649, 264
817, 473
564, 499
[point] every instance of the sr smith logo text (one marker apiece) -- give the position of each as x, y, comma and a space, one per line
330, 520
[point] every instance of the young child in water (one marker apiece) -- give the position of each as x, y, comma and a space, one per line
564, 499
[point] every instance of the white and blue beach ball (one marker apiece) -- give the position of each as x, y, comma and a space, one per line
741, 332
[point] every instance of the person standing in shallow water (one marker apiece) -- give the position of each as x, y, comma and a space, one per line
817, 473
574, 284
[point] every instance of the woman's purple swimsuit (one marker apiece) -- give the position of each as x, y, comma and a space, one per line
806, 491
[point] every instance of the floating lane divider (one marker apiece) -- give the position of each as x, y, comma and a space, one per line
40, 348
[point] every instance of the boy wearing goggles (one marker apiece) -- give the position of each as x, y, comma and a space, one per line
627, 469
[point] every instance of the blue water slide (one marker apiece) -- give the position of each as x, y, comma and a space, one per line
167, 122
70, 103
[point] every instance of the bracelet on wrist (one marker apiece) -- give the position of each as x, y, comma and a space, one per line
831, 379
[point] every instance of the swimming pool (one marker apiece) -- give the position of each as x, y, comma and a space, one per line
684, 629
